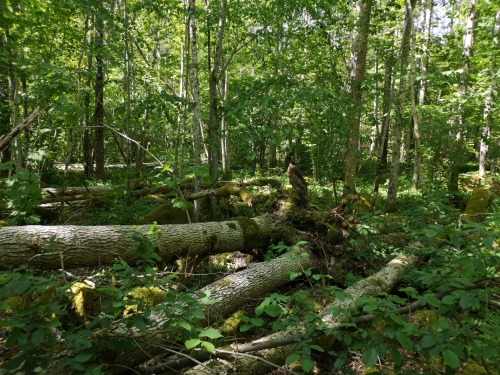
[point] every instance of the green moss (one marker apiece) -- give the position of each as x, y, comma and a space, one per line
85, 302
95, 203
12, 304
477, 205
423, 319
233, 323
166, 214
148, 297
252, 236
231, 225
473, 368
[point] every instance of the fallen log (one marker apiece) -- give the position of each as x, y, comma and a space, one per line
54, 247
79, 190
226, 294
275, 348
7, 138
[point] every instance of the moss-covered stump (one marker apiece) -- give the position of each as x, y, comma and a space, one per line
167, 214
85, 303
477, 205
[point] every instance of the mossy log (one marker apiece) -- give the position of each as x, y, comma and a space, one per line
227, 294
223, 192
53, 247
275, 348
477, 205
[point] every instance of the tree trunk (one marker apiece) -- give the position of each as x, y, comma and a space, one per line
358, 68
398, 118
226, 161
7, 138
99, 94
418, 178
53, 247
196, 100
5, 125
459, 143
387, 101
483, 148
382, 281
213, 133
227, 294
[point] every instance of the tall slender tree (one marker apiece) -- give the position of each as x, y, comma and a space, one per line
99, 91
195, 86
492, 88
357, 73
399, 111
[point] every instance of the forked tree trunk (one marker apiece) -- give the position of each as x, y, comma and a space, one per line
54, 247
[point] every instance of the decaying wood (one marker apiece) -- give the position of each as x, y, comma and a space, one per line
7, 138
382, 281
79, 190
53, 247
223, 192
227, 294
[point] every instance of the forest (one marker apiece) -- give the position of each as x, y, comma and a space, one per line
249, 187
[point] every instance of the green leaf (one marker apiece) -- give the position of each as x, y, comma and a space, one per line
186, 326
38, 336
294, 275
428, 341
307, 364
450, 358
467, 301
370, 308
317, 348
488, 241
83, 357
292, 358
209, 347
455, 240
369, 357
257, 322
210, 333
431, 300
273, 310
404, 340
192, 343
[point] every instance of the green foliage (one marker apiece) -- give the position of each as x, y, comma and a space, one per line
23, 194
38, 312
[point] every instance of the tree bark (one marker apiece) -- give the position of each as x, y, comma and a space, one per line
196, 99
357, 74
382, 281
459, 143
485, 134
53, 247
213, 133
7, 138
99, 94
398, 118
